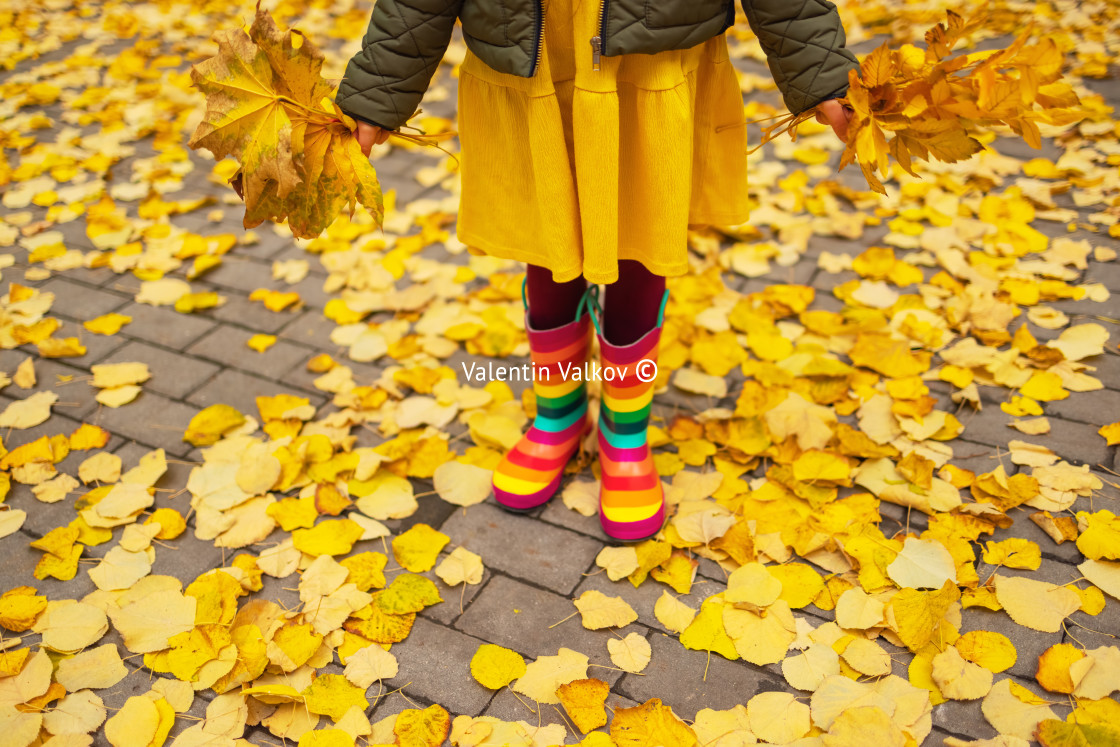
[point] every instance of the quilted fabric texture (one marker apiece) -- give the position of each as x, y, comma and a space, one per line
406, 39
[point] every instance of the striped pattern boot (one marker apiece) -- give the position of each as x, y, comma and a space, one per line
631, 504
530, 473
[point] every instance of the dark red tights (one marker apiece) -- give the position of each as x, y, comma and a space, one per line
629, 310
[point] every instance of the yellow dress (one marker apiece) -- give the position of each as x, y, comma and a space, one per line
574, 169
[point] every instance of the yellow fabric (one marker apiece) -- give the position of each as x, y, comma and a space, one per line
574, 169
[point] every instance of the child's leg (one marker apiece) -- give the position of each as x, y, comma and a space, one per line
552, 304
559, 344
631, 505
632, 303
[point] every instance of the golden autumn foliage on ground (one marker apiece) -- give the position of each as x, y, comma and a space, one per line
785, 548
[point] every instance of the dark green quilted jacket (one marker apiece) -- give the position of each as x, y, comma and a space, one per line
383, 84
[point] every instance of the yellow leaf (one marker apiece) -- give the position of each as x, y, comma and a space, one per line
88, 436
209, 425
188, 302
495, 667
1104, 574
1013, 710
326, 738
1036, 604
1053, 667
332, 695
993, 651
855, 610
462, 484
407, 594
426, 728
365, 570
68, 626
777, 717
922, 564
752, 586
30, 412
260, 342
723, 728
118, 396
417, 549
650, 724
618, 562
20, 607
631, 654
1100, 535
1054, 733
865, 724
134, 724
107, 324
583, 701
674, 614
600, 611
959, 679
119, 374
545, 675
1014, 553
677, 572
800, 583
1111, 433
806, 670
96, 668
330, 537
707, 633
866, 657
370, 664
460, 566
919, 614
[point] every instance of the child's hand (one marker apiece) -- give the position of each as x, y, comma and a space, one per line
369, 135
832, 112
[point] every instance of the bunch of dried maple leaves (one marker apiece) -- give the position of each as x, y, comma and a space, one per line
835, 417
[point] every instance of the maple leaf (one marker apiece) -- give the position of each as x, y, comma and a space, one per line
269, 108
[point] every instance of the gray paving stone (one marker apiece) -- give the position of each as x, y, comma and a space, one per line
164, 326
173, 375
521, 547
150, 419
1085, 407
524, 618
97, 346
311, 328
1078, 443
241, 273
434, 662
1107, 273
236, 389
676, 676
252, 315
228, 346
81, 302
75, 395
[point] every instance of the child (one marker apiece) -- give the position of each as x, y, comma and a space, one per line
593, 134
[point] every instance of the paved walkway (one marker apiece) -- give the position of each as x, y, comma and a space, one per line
536, 564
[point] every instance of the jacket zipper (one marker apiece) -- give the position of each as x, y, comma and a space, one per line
597, 41
540, 37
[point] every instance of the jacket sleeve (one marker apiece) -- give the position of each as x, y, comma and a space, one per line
402, 48
804, 45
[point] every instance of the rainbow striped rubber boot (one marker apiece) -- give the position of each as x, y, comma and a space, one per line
529, 475
631, 503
